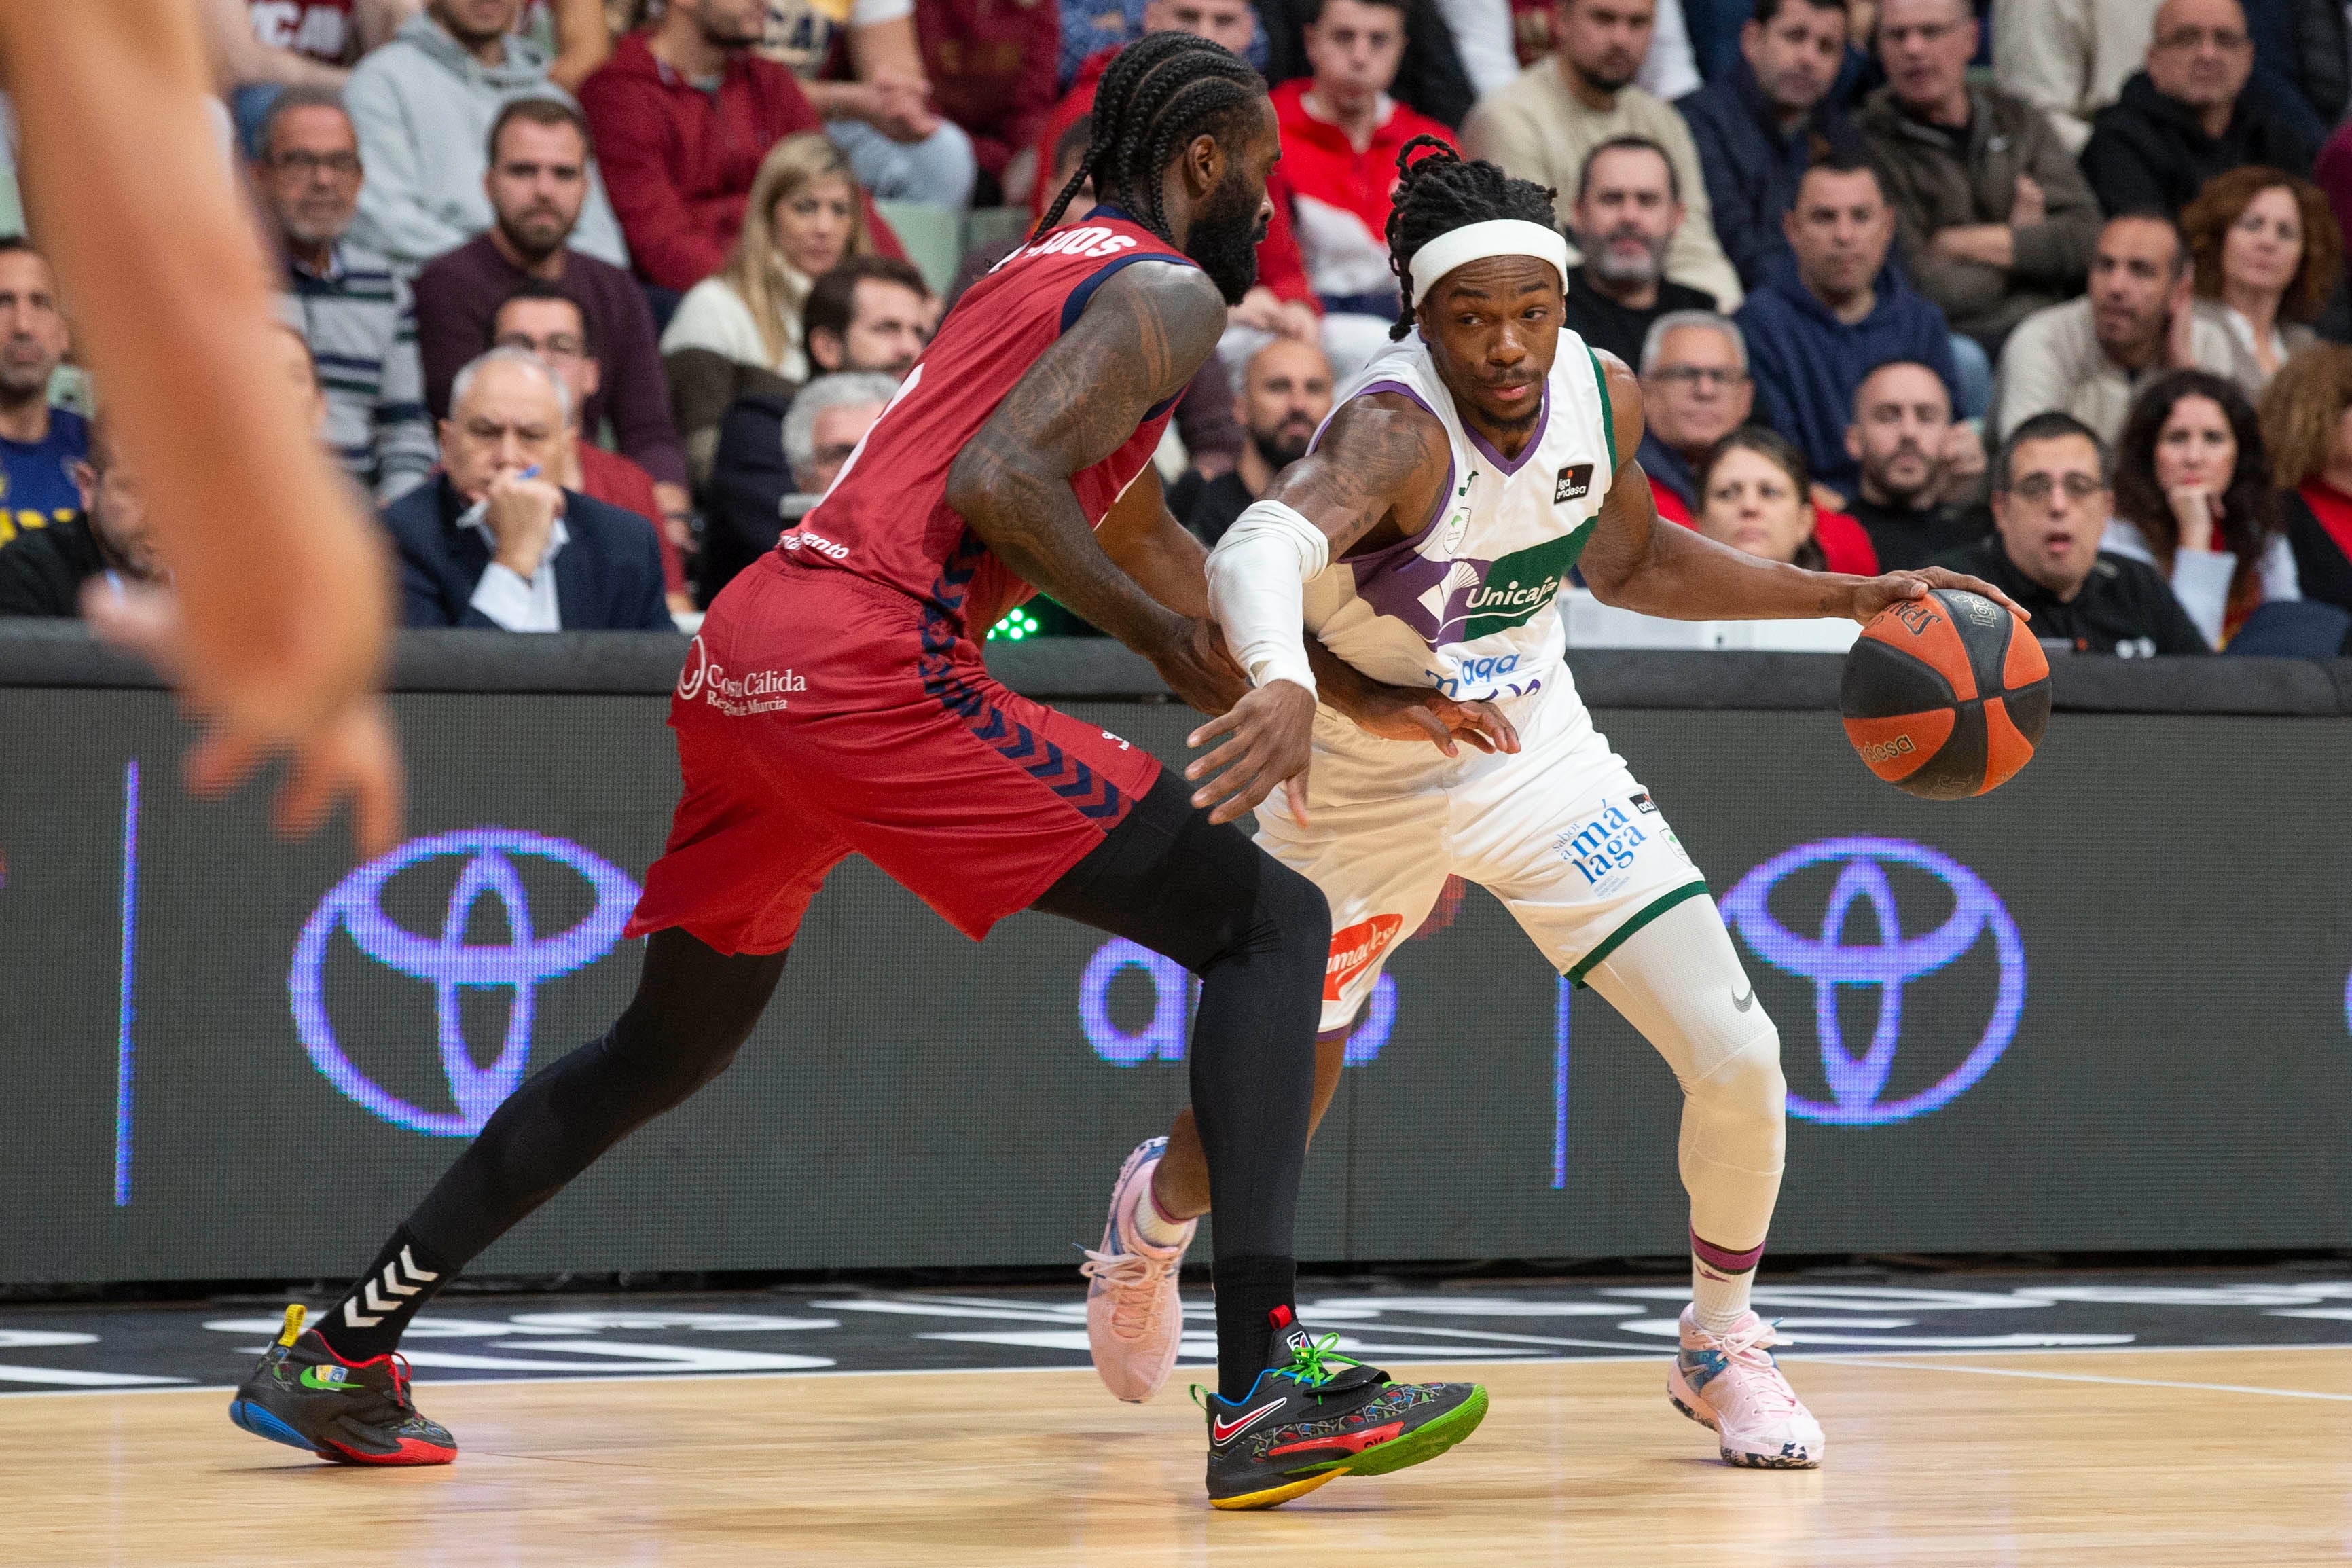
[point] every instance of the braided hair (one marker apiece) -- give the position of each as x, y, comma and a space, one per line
1156, 96
1442, 192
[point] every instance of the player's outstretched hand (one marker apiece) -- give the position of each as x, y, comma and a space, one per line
321, 710
1271, 733
1200, 670
1874, 594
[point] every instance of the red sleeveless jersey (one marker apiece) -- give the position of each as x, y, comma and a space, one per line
886, 516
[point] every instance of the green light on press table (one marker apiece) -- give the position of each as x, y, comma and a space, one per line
1016, 625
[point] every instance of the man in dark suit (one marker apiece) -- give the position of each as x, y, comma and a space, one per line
491, 544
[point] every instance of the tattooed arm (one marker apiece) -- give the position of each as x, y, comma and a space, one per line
1137, 344
1635, 563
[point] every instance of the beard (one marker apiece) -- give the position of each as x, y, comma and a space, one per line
1224, 238
535, 232
1606, 78
1281, 446
1614, 262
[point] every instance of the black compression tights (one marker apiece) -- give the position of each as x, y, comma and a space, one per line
1256, 933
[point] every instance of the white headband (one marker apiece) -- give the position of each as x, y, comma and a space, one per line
1476, 242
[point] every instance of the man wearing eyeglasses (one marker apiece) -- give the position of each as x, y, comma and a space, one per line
2050, 506
540, 318
2188, 116
1694, 391
344, 300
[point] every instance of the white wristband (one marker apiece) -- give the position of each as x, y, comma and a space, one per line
1257, 575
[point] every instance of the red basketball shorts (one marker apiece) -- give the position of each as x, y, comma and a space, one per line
821, 716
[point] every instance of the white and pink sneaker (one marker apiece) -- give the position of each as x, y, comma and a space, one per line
1731, 1383
1135, 1318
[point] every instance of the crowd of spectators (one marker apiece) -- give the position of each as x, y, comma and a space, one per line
594, 297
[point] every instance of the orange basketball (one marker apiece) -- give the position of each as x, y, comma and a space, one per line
1946, 697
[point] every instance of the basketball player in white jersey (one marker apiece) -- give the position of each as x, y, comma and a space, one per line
1407, 570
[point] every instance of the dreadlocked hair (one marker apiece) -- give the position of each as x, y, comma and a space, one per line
1155, 96
1442, 193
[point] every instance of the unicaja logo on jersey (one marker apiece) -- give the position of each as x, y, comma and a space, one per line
1463, 600
1903, 953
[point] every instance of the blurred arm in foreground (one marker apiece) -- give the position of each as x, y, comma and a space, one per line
276, 629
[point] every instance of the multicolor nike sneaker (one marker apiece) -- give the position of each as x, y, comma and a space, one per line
356, 1413
1135, 1318
1313, 1416
1732, 1382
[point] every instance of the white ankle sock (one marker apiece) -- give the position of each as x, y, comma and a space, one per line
1717, 1299
1153, 1225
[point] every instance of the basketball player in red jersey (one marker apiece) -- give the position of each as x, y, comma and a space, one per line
835, 702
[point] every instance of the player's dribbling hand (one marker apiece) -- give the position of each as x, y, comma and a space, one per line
1873, 595
1272, 733
1200, 670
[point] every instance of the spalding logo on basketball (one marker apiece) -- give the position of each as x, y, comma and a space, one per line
1946, 697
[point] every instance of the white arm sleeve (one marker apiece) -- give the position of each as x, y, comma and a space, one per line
1257, 575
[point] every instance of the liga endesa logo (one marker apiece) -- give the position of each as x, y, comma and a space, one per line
1857, 1084
451, 965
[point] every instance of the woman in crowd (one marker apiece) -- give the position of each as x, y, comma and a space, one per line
2307, 425
2193, 499
739, 331
2267, 252
1756, 495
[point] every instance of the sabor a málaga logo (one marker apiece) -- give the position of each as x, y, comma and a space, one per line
1857, 1083
448, 962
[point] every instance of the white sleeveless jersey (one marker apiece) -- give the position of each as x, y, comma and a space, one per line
1466, 605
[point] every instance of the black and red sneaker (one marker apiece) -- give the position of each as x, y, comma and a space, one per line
1314, 1415
356, 1413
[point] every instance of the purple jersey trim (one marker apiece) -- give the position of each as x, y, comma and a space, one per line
1513, 465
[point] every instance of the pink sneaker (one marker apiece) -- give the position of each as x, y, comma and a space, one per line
1731, 1383
1134, 1319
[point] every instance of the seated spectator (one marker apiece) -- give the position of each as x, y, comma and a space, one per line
1094, 30
1204, 418
991, 67
2306, 423
739, 331
2049, 505
684, 114
1831, 313
39, 445
828, 421
540, 318
2189, 117
1341, 133
1694, 391
1755, 496
1281, 302
773, 468
2267, 255
491, 543
537, 182
2193, 499
2070, 58
42, 569
1992, 216
867, 315
2084, 358
1628, 206
424, 105
1542, 126
1286, 396
1918, 467
1755, 124
351, 309
898, 147
1432, 80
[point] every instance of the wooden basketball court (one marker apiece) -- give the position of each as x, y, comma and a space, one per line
2144, 1457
